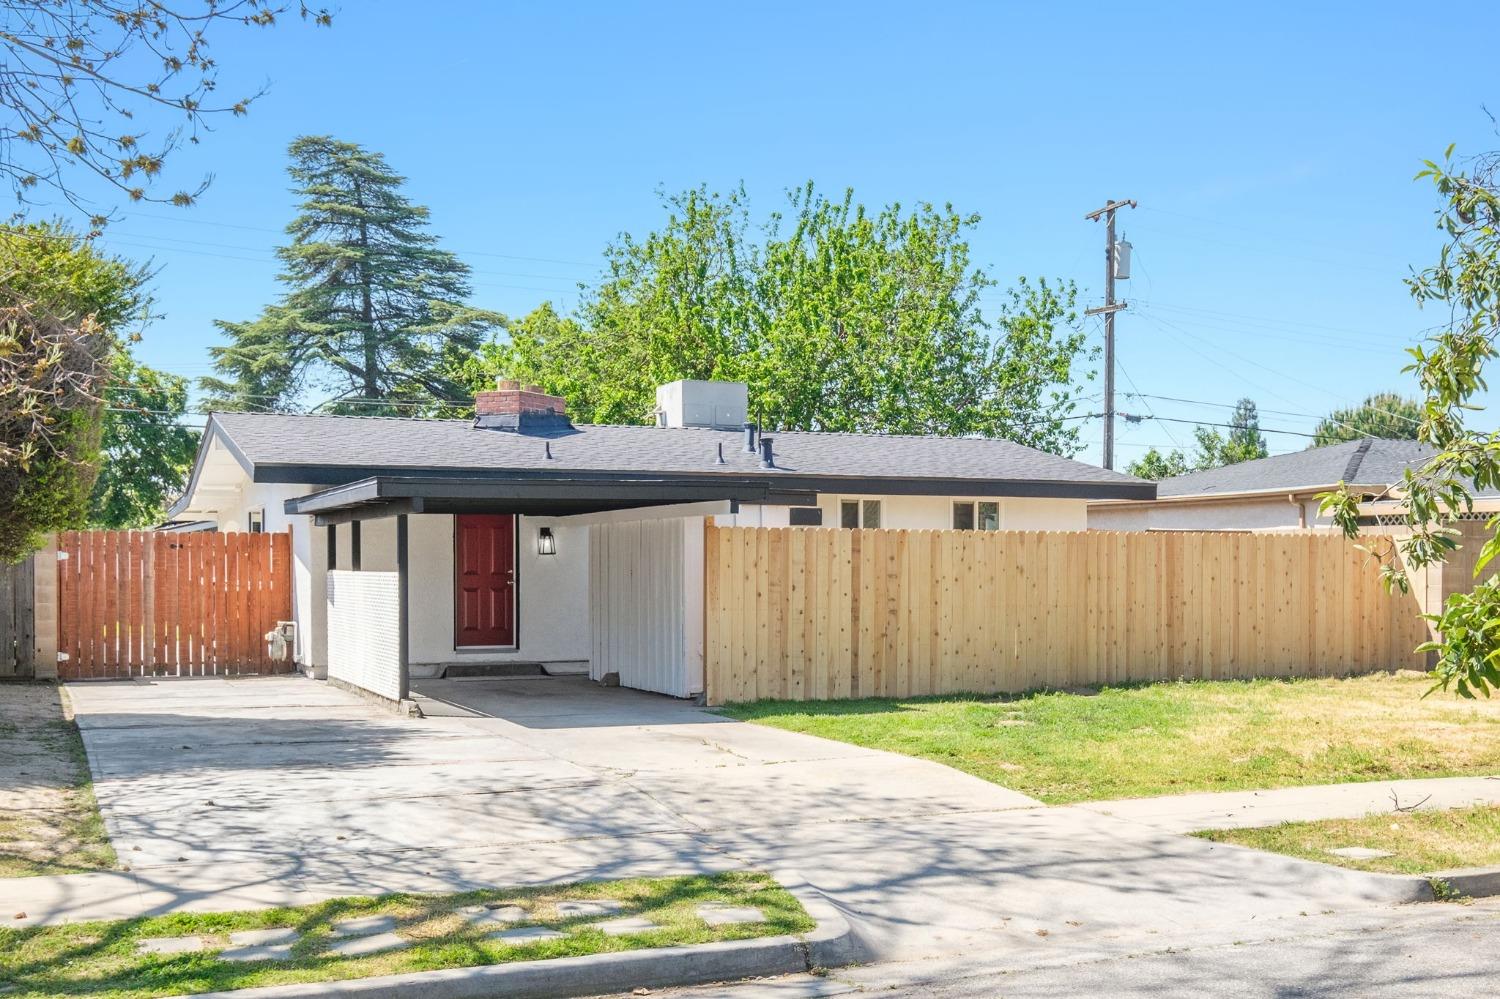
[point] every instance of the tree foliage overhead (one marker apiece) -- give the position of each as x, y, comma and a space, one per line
62, 308
839, 318
1464, 285
1387, 415
98, 93
1243, 442
374, 317
146, 451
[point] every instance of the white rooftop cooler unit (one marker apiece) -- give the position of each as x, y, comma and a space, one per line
693, 403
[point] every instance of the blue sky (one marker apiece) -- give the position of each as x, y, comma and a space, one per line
1271, 148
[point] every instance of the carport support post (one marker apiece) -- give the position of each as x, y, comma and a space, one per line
403, 632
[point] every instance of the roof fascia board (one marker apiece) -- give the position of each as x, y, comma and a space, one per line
868, 485
378, 490
211, 432
1308, 491
710, 508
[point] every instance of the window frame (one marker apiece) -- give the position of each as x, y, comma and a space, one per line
861, 507
977, 512
255, 521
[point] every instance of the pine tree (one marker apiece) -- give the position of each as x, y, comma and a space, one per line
1387, 415
374, 319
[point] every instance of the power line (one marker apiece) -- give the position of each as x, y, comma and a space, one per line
1209, 423
1274, 412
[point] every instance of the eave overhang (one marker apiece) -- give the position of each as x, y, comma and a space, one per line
556, 496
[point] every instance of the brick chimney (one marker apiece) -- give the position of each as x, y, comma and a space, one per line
514, 407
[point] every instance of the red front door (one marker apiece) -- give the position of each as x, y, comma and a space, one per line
484, 590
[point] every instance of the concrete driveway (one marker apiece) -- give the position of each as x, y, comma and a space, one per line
223, 792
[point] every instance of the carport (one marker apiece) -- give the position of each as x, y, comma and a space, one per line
533, 556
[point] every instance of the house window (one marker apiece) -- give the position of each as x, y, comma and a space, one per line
984, 516
255, 521
859, 513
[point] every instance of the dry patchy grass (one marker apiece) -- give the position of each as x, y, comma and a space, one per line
1171, 738
49, 821
1419, 842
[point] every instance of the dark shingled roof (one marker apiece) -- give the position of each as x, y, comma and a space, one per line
344, 448
1368, 462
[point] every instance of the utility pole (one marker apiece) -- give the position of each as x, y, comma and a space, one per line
1110, 307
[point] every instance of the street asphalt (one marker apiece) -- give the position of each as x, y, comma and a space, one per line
1431, 951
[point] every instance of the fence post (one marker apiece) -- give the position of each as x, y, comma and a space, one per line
45, 610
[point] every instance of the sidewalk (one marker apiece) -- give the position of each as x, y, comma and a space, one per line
1185, 813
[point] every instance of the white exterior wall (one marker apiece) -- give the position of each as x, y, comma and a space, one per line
932, 513
646, 607
1265, 513
364, 640
309, 559
551, 590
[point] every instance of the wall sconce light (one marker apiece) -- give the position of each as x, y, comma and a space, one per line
546, 544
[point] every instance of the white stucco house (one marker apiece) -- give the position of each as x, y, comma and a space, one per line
1269, 494
518, 541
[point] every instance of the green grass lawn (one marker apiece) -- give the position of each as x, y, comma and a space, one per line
1171, 738
1419, 842
49, 821
100, 960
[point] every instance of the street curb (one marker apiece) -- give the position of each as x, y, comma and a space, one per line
831, 944
1468, 882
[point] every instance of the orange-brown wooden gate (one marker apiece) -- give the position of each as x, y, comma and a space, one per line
141, 603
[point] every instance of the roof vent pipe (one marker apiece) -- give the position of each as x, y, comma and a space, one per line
767, 459
750, 429
547, 450
721, 454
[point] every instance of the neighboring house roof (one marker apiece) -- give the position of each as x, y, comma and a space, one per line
1370, 462
327, 450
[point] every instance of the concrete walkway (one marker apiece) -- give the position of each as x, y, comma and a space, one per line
243, 793
1184, 813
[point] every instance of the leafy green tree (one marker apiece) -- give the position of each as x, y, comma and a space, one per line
64, 310
1464, 285
1386, 415
838, 318
1244, 442
146, 451
374, 315
1157, 465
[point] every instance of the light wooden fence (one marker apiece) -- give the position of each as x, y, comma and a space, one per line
138, 603
806, 613
17, 618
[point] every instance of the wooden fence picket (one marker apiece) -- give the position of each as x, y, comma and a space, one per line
135, 603
810, 613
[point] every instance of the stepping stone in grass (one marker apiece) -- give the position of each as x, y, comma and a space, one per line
571, 910
1359, 853
365, 925
169, 945
256, 938
361, 946
626, 924
258, 952
526, 934
500, 915
719, 914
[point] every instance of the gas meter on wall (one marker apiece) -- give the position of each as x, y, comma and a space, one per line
1122, 259
281, 640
